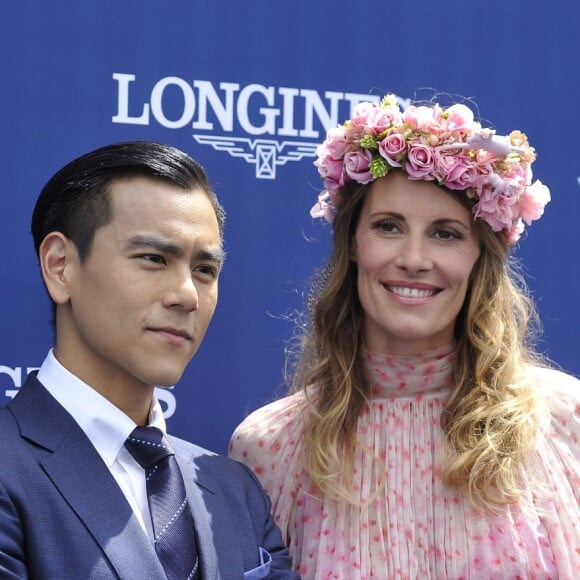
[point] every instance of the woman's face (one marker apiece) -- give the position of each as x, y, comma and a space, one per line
415, 247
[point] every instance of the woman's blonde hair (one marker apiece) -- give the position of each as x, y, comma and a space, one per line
490, 418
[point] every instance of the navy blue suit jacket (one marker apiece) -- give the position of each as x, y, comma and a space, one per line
63, 516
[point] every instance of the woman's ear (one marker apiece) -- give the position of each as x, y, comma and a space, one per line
56, 255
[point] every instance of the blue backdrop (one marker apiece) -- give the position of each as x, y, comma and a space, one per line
248, 89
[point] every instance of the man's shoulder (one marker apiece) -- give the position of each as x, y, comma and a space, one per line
16, 459
183, 446
219, 473
8, 428
205, 461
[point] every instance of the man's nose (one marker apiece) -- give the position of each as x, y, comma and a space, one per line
183, 293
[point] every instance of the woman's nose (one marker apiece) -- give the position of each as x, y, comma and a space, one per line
414, 255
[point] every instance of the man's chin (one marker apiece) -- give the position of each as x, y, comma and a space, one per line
167, 380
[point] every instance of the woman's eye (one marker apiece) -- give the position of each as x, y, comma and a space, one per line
445, 234
388, 227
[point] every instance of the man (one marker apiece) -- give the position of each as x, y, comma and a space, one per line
129, 241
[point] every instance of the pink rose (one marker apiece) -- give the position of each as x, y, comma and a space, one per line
336, 143
424, 118
533, 201
459, 118
515, 231
484, 174
385, 118
495, 206
393, 148
357, 165
443, 163
461, 174
364, 113
329, 167
420, 162
333, 185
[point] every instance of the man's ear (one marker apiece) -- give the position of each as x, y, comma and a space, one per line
57, 255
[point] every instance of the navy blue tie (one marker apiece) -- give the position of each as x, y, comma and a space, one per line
172, 522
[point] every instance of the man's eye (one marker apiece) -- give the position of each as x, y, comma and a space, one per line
155, 258
210, 271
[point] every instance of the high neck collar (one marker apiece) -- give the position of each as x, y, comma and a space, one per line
408, 375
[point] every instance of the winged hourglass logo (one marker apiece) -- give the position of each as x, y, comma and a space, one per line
265, 154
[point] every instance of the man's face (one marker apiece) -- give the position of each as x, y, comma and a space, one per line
143, 298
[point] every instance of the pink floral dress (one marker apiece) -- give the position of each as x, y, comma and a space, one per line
416, 527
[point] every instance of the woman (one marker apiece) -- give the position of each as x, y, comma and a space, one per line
424, 437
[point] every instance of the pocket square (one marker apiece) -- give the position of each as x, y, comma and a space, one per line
263, 569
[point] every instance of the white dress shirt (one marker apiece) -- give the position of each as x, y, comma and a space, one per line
107, 428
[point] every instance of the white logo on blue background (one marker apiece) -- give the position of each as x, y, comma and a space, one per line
274, 118
265, 154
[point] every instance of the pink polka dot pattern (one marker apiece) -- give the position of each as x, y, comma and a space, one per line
416, 527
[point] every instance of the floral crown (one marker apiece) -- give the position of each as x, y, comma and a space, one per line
434, 144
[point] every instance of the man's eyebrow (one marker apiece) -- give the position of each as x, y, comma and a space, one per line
217, 255
149, 241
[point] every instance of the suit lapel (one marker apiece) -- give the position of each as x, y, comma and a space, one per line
217, 535
78, 472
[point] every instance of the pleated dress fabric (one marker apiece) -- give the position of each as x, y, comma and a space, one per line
416, 527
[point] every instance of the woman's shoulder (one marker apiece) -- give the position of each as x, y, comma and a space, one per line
268, 442
558, 444
270, 427
560, 393
559, 389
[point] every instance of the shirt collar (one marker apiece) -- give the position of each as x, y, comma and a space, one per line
106, 426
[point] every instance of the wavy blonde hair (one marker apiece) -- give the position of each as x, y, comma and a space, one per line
490, 419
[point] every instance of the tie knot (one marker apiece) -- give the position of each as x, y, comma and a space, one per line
148, 446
